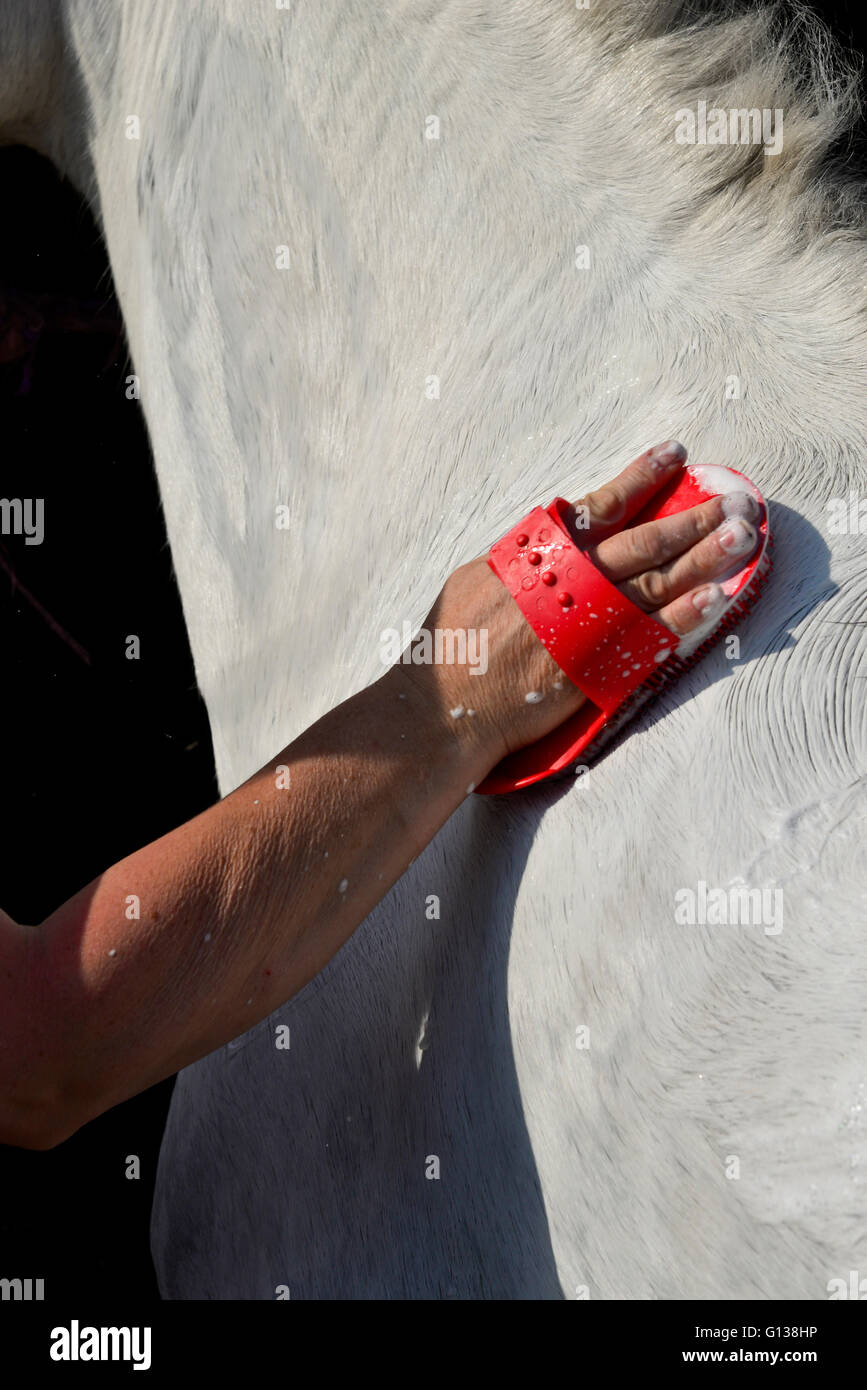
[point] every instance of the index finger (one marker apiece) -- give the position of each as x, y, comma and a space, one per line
612, 506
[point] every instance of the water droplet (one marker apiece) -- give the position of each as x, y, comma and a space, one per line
112, 952
343, 885
533, 697
207, 936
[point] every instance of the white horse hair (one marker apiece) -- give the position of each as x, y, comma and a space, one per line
622, 1106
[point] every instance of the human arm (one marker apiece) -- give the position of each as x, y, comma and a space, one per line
243, 905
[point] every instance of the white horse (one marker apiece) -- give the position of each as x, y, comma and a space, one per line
391, 275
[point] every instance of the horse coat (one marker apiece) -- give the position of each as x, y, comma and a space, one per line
391, 275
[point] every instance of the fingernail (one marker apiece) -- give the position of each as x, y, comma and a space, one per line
664, 457
741, 504
708, 598
736, 536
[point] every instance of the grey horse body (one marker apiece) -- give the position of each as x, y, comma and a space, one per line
348, 241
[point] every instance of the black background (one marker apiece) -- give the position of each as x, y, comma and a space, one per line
101, 754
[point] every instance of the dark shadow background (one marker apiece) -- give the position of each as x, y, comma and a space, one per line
102, 754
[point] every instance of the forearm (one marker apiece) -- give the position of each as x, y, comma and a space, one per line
241, 906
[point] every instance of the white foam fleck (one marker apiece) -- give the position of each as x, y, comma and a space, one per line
661, 655
718, 481
458, 712
112, 952
533, 697
343, 885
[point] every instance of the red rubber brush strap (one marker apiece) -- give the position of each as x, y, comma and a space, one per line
603, 643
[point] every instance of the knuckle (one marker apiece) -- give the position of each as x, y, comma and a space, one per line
606, 505
653, 587
707, 519
646, 544
674, 619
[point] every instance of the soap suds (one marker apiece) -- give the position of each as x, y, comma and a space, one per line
718, 481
